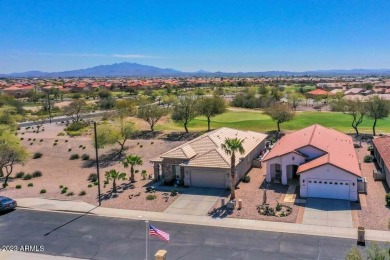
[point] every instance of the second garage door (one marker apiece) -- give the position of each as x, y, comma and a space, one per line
329, 189
208, 178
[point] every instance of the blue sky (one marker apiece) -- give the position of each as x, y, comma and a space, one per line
295, 35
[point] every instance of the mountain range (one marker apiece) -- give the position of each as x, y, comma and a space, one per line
127, 69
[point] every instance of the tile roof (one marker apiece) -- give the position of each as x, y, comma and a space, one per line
206, 151
338, 148
319, 92
382, 144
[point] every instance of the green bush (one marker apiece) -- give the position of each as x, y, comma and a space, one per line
30, 184
82, 193
387, 198
27, 177
95, 183
56, 140
76, 126
246, 179
64, 190
19, 175
278, 207
42, 191
18, 186
61, 186
92, 177
174, 193
151, 197
36, 174
74, 156
54, 144
66, 141
70, 194
90, 185
5, 185
368, 158
41, 140
85, 157
31, 143
37, 155
21, 138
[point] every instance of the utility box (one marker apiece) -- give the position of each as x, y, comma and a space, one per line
160, 255
361, 236
240, 204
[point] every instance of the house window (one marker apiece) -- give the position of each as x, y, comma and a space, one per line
325, 182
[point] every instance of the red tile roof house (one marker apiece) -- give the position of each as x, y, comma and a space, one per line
324, 160
382, 155
202, 163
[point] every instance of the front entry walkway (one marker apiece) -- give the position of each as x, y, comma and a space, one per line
198, 203
327, 212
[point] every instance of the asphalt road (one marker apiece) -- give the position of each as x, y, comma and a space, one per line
95, 237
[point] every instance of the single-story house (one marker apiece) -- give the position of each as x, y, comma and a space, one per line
202, 162
322, 159
382, 155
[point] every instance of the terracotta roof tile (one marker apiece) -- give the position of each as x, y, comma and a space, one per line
382, 144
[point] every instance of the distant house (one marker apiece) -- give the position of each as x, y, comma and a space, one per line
18, 90
322, 159
319, 93
382, 155
202, 162
354, 91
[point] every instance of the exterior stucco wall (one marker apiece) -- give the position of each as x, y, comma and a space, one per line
311, 151
382, 165
246, 164
285, 160
329, 172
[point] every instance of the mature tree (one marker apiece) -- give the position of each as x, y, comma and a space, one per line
231, 146
377, 108
124, 108
11, 152
263, 90
185, 111
294, 99
132, 160
210, 107
38, 122
114, 134
151, 114
276, 94
75, 109
34, 96
114, 176
357, 110
104, 94
8, 116
169, 100
280, 113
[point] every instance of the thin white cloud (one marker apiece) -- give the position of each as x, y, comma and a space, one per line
122, 56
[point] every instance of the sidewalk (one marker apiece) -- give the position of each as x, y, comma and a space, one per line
82, 207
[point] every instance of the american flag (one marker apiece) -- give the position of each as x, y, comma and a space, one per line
153, 231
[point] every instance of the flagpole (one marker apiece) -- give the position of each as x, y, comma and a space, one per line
147, 236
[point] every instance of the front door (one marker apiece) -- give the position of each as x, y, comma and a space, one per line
176, 172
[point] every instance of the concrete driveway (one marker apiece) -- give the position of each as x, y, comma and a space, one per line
327, 212
196, 201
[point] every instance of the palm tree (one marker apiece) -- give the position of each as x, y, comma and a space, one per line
231, 147
132, 160
114, 176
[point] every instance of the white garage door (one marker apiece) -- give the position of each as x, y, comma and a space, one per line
207, 178
330, 189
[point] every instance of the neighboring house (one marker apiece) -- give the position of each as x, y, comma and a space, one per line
202, 162
322, 159
354, 91
382, 155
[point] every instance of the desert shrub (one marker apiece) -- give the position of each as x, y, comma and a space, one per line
64, 190
74, 156
95, 183
19, 175
76, 126
370, 148
31, 143
151, 197
70, 149
387, 198
56, 141
5, 185
36, 174
144, 174
174, 193
29, 139
141, 146
66, 141
70, 194
21, 139
278, 207
27, 177
61, 186
85, 157
22, 133
54, 144
368, 158
92, 177
90, 185
246, 179
136, 171
84, 147
34, 140
37, 155
42, 191
82, 193
357, 146
18, 186
30, 184
41, 140
80, 146
152, 143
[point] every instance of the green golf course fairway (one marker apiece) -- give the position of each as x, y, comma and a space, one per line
258, 121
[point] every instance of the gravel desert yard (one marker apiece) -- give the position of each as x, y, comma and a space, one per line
58, 169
